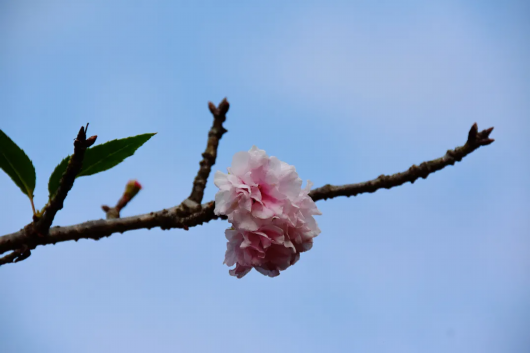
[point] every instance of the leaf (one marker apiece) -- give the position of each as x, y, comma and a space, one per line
100, 158
15, 162
55, 178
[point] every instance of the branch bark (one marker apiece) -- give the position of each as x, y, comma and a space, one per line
475, 140
97, 229
16, 255
81, 143
210, 154
176, 218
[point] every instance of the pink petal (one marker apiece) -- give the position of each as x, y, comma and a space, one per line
261, 212
224, 201
220, 180
240, 271
240, 163
244, 220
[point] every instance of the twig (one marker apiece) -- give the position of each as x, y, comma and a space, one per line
16, 255
210, 154
81, 143
131, 189
175, 218
474, 141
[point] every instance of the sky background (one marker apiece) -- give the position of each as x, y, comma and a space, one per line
343, 90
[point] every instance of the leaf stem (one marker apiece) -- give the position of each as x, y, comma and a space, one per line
32, 206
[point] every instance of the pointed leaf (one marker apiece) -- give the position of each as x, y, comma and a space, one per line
100, 158
15, 162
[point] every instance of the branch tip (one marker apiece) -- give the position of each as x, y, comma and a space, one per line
474, 141
210, 154
472, 132
224, 106
91, 140
212, 107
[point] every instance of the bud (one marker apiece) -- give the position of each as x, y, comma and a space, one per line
132, 188
91, 140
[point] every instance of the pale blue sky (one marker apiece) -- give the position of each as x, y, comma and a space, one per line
343, 90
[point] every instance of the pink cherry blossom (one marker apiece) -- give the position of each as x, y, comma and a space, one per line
271, 215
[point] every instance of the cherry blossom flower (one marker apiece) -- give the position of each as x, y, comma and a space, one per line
271, 215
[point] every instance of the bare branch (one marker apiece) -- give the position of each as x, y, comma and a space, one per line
81, 143
210, 154
165, 219
21, 242
474, 141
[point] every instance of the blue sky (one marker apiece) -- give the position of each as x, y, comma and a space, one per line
343, 90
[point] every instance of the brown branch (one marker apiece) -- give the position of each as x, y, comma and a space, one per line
81, 143
16, 255
475, 140
210, 154
23, 241
97, 229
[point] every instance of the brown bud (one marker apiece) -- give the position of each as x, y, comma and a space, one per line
472, 136
212, 108
91, 140
224, 106
487, 132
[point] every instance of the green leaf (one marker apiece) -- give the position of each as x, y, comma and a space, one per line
15, 162
55, 178
100, 158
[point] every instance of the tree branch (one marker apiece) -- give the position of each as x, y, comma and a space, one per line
16, 255
474, 141
210, 154
81, 143
21, 242
97, 229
